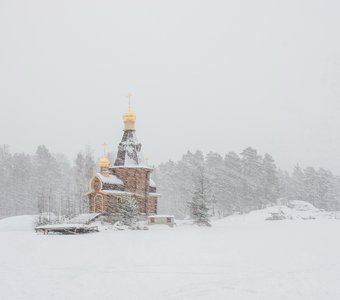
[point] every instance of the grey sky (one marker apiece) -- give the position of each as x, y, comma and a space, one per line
210, 75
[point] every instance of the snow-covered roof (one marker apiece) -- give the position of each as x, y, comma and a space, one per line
116, 192
111, 179
132, 166
161, 216
84, 218
152, 183
154, 194
302, 205
64, 226
130, 152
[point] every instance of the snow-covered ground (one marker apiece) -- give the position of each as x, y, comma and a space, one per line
240, 257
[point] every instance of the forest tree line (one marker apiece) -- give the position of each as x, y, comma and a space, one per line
241, 183
44, 183
50, 183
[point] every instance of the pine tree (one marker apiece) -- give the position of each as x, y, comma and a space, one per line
20, 184
285, 184
327, 190
198, 205
252, 171
298, 183
189, 168
44, 181
5, 181
79, 183
311, 187
216, 175
84, 167
270, 179
127, 210
199, 209
233, 183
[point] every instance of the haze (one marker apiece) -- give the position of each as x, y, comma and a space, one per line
210, 75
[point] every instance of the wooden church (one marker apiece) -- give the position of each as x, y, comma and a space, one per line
127, 177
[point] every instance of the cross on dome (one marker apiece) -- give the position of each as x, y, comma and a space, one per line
129, 96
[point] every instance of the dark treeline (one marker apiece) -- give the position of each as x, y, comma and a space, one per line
48, 183
241, 183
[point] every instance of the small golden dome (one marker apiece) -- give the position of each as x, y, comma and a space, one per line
104, 162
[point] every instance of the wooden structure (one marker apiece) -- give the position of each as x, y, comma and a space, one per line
78, 224
67, 228
85, 219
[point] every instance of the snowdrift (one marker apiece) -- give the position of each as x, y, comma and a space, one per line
293, 210
18, 223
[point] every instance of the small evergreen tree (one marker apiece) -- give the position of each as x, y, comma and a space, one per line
199, 203
199, 210
127, 210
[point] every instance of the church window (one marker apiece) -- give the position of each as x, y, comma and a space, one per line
96, 185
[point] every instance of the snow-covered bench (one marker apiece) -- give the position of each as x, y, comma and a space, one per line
161, 220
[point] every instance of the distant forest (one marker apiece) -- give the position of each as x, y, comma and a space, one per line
241, 183
50, 183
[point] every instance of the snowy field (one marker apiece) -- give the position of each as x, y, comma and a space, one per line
242, 257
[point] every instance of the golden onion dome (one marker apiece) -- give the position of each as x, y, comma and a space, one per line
129, 117
104, 162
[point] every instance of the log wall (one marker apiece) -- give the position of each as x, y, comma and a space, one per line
136, 181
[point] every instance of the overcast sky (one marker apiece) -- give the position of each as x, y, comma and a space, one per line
209, 75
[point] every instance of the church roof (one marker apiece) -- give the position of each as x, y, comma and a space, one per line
111, 179
130, 152
152, 183
116, 192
